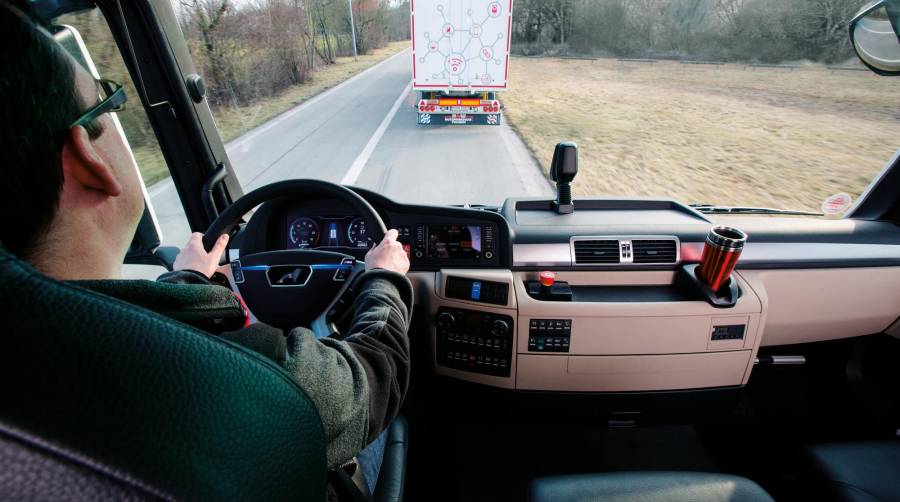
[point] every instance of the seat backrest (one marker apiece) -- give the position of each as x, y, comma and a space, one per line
101, 398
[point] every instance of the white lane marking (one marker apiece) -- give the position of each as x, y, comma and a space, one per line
236, 143
363, 157
166, 184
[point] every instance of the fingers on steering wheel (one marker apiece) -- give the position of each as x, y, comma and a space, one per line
220, 245
390, 235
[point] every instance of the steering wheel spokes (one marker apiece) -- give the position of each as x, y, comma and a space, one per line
294, 268
284, 287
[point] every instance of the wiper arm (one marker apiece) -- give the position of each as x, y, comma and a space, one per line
714, 209
483, 207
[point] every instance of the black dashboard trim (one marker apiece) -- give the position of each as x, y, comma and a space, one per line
434, 214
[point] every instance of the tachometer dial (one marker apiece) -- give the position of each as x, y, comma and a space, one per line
358, 234
304, 233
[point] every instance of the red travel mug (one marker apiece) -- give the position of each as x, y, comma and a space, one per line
720, 254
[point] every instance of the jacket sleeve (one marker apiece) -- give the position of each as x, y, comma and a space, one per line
358, 381
183, 277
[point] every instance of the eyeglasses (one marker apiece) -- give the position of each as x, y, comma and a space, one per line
113, 102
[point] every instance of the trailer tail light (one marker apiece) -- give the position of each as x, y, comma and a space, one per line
490, 106
427, 105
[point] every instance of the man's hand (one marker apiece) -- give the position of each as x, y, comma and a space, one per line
194, 257
388, 254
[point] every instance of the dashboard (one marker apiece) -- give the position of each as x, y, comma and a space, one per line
628, 325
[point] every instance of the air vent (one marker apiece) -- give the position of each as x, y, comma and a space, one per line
596, 251
654, 251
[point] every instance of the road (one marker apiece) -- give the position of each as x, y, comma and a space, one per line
363, 132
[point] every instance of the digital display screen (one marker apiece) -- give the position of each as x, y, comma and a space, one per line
454, 242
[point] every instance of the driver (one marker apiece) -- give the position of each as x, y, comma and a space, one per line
74, 199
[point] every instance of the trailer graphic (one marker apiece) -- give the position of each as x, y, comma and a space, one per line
460, 59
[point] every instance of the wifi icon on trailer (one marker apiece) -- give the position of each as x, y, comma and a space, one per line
455, 64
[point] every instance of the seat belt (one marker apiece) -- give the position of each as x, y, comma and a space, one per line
349, 483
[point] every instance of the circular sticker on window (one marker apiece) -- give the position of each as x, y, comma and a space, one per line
837, 203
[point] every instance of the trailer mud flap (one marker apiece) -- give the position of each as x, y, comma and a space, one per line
459, 118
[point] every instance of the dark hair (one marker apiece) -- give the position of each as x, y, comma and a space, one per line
39, 103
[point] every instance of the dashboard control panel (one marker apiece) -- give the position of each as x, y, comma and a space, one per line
496, 293
433, 237
480, 342
549, 335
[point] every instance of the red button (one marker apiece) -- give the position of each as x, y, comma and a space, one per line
406, 247
548, 278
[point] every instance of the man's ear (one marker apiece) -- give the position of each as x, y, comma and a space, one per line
83, 164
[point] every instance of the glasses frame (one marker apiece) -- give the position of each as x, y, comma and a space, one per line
113, 102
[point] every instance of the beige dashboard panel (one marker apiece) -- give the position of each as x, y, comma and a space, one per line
611, 328
615, 345
637, 345
632, 373
810, 305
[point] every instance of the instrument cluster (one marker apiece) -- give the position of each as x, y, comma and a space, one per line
326, 232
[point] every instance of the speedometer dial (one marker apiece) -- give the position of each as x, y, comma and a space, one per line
358, 234
304, 233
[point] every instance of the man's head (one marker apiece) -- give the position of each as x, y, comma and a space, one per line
63, 184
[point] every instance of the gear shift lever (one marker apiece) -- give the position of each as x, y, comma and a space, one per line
563, 169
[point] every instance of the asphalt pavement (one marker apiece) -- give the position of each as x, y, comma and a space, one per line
363, 132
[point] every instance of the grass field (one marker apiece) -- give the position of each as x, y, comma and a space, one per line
233, 122
711, 134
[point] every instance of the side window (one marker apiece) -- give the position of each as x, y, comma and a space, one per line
161, 193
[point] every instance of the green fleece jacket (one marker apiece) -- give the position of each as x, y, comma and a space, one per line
357, 381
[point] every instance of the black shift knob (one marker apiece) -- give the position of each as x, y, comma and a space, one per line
564, 166
563, 169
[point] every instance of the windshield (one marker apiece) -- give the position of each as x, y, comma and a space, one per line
726, 102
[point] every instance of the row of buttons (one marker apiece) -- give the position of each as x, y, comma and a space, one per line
489, 242
473, 339
548, 344
550, 326
478, 359
549, 335
728, 336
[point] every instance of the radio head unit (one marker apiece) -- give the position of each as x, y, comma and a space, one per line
456, 243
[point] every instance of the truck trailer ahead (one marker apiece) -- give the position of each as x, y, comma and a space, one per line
460, 59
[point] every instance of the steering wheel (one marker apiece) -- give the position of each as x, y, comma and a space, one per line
295, 287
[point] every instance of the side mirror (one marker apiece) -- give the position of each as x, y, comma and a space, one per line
875, 35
